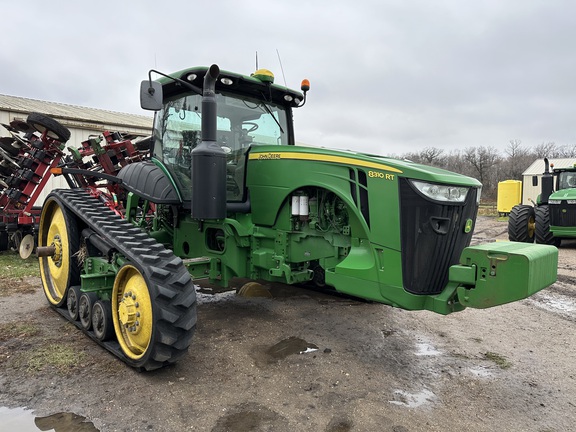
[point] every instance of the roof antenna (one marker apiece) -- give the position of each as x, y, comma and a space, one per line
256, 60
281, 68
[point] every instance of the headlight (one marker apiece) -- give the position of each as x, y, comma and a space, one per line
554, 201
571, 202
440, 192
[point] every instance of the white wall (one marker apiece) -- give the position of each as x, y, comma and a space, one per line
529, 191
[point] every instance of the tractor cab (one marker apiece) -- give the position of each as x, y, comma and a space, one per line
566, 178
250, 111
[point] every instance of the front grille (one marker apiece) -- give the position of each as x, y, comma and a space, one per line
563, 214
432, 238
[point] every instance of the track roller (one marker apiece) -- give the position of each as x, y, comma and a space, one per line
102, 323
85, 305
72, 302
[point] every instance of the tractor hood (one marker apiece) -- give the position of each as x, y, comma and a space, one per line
402, 168
564, 194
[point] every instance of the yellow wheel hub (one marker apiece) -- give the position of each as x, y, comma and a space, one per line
531, 227
55, 269
132, 312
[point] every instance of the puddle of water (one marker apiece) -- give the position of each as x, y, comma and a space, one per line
564, 305
65, 422
17, 419
412, 400
554, 302
480, 372
22, 420
292, 345
426, 349
203, 297
207, 292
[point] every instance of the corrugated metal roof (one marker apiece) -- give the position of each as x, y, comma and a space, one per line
77, 116
537, 166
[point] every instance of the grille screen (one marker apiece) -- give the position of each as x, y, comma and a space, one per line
432, 238
563, 214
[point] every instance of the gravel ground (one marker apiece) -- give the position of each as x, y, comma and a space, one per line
364, 366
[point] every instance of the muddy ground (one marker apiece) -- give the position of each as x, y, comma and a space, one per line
511, 368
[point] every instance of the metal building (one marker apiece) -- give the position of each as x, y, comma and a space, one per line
82, 122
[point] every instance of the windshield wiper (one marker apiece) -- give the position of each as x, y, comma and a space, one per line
272, 115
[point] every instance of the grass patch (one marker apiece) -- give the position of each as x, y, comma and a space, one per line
57, 356
11, 330
15, 274
500, 360
15, 267
487, 209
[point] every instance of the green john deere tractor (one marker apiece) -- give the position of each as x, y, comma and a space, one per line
227, 194
554, 215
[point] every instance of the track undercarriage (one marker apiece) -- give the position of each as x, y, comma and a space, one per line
126, 291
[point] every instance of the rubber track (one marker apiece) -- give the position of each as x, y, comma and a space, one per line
171, 288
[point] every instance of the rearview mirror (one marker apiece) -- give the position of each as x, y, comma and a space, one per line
151, 95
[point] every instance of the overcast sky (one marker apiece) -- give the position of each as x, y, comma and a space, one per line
386, 76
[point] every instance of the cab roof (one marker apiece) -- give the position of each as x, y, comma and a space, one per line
236, 83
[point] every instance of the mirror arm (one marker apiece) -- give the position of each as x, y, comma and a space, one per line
192, 87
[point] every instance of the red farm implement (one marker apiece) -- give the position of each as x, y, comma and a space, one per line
34, 151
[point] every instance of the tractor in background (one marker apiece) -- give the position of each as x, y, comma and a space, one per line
553, 217
227, 194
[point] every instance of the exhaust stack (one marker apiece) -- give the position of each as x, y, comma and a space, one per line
208, 160
547, 183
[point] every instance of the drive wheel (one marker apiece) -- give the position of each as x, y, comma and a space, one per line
59, 229
132, 313
85, 304
543, 234
102, 320
522, 224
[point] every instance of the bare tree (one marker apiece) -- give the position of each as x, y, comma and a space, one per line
567, 151
549, 150
432, 156
455, 162
519, 158
514, 148
484, 162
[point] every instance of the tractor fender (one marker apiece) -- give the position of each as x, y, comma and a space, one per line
148, 181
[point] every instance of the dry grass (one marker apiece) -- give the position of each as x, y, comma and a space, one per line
487, 209
12, 266
55, 356
18, 276
501, 361
18, 330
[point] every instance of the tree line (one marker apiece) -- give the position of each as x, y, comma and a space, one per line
488, 164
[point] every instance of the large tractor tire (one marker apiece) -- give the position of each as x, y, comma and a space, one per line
58, 228
53, 129
522, 224
543, 234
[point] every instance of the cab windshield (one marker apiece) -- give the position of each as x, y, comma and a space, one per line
566, 180
241, 123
